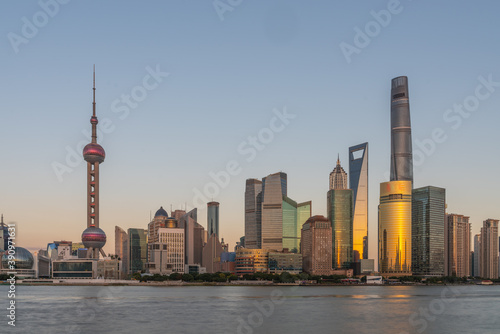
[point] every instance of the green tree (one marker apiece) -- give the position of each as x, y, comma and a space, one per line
187, 277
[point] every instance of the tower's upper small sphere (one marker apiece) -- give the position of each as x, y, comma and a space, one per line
93, 153
93, 120
93, 237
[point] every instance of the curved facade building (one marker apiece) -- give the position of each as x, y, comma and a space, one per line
401, 147
394, 226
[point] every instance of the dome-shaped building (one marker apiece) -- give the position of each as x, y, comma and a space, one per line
161, 212
24, 263
22, 259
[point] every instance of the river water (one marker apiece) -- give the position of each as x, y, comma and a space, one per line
272, 309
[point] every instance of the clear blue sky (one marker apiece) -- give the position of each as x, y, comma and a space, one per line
225, 78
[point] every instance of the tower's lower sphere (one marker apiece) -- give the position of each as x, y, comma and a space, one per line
93, 153
93, 237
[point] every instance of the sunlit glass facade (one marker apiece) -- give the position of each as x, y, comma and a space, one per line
395, 228
358, 182
340, 210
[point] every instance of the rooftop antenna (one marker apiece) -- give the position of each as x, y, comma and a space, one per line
93, 101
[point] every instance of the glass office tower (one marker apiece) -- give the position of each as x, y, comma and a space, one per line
274, 187
394, 227
294, 216
253, 205
358, 182
138, 247
213, 218
340, 210
428, 216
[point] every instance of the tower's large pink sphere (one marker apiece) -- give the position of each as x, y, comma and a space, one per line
93, 153
93, 237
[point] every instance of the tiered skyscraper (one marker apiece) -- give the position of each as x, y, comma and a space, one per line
394, 221
340, 211
358, 182
338, 177
93, 237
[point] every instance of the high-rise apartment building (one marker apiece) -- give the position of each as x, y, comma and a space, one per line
457, 233
476, 271
358, 182
401, 144
489, 249
428, 216
317, 246
213, 218
394, 228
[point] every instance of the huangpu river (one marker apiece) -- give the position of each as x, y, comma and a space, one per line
244, 309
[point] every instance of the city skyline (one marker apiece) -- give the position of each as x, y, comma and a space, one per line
65, 108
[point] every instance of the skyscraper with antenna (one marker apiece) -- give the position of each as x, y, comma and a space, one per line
93, 237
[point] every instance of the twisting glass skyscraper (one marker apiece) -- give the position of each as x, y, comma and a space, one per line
401, 148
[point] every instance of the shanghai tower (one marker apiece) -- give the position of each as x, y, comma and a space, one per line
401, 151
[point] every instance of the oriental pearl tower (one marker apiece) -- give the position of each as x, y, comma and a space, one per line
93, 237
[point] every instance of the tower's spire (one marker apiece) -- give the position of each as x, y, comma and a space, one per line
93, 119
93, 101
338, 159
